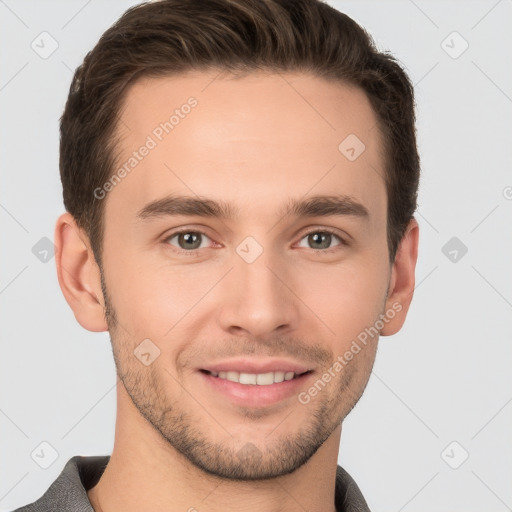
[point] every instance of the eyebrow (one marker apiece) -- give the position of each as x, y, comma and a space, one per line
315, 206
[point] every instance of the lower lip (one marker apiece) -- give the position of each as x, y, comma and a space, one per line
253, 395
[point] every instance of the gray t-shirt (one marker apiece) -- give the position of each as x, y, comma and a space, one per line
68, 493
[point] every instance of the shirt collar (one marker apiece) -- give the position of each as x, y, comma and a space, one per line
69, 491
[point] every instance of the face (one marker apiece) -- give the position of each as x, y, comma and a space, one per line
232, 321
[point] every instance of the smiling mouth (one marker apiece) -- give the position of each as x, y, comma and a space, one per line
256, 379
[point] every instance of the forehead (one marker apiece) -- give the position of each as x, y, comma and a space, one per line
253, 139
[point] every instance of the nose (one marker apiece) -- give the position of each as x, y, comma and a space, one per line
257, 299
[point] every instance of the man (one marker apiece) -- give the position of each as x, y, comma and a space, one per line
240, 179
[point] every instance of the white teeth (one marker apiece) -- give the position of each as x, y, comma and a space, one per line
264, 379
278, 376
232, 376
261, 379
248, 378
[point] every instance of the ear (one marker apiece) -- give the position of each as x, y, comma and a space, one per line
79, 274
402, 281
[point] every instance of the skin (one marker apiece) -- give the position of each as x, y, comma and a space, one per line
255, 142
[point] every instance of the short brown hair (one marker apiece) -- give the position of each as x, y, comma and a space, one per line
171, 36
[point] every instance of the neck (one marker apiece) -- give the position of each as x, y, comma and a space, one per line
146, 473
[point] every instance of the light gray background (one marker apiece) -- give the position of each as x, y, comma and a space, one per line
445, 377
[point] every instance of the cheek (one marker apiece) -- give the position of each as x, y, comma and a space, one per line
151, 298
347, 298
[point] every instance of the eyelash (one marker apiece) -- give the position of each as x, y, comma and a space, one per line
194, 252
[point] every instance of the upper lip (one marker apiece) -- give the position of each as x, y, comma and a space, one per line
252, 365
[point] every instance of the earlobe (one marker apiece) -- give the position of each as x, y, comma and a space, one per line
78, 274
402, 282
